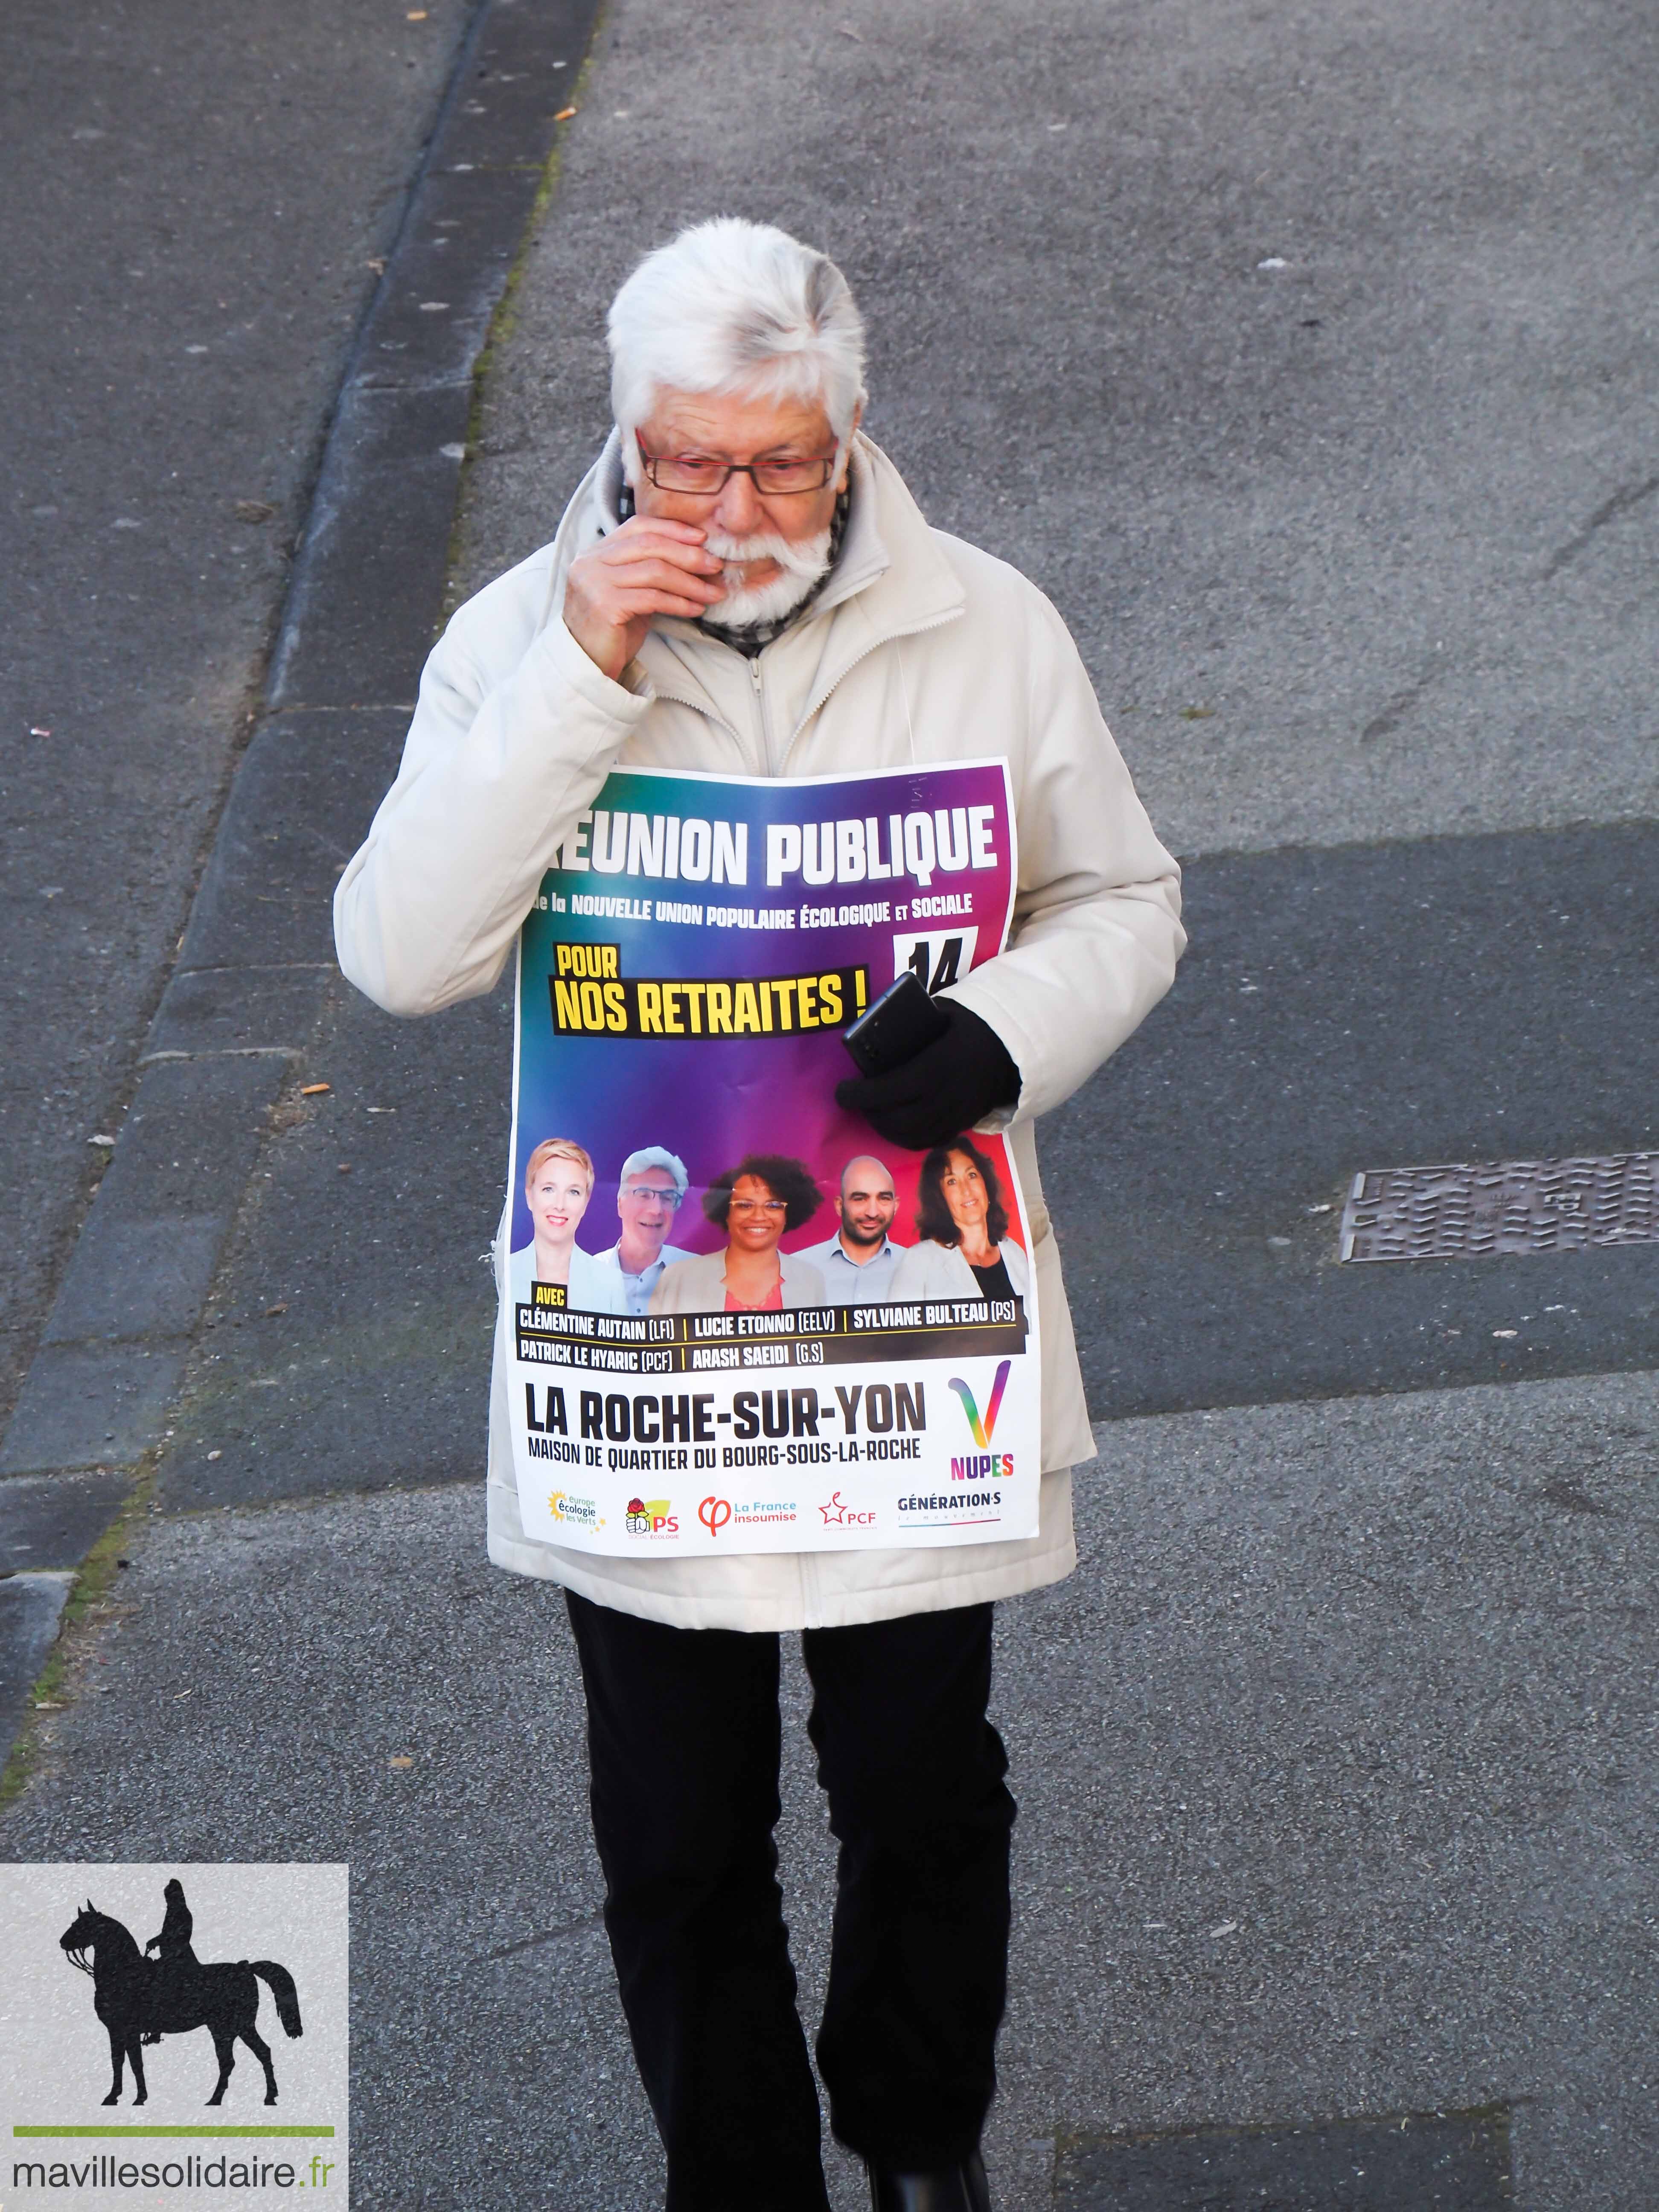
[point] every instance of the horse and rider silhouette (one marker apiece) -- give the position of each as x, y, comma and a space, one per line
140, 2000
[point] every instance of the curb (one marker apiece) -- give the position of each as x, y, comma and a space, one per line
363, 602
31, 1609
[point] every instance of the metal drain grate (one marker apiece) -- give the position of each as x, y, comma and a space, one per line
1496, 1207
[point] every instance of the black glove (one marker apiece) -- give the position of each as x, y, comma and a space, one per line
948, 1086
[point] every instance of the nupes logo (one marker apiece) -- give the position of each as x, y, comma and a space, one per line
985, 1465
651, 1517
983, 1430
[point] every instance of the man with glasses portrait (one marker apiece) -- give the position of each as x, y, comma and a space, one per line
650, 1191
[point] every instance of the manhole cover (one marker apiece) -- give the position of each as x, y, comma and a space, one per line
1431, 2163
1501, 1206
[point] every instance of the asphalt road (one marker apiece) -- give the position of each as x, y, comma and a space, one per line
1333, 1762
1366, 1006
1359, 549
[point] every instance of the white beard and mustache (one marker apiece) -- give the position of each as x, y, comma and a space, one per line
804, 561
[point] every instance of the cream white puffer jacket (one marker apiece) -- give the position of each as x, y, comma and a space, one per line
920, 649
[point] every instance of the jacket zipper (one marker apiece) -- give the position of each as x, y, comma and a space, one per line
684, 699
810, 1585
858, 660
762, 750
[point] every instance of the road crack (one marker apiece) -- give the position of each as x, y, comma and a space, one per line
1621, 502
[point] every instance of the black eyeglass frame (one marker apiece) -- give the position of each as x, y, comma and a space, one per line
752, 470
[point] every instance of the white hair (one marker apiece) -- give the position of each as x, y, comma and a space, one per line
731, 305
653, 1156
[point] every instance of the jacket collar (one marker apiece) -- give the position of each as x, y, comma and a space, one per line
892, 580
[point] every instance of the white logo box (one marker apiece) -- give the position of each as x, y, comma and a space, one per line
270, 1947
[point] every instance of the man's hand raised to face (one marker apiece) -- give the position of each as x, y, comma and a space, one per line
650, 567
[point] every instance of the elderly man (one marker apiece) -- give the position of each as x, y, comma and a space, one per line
859, 1262
650, 1190
743, 585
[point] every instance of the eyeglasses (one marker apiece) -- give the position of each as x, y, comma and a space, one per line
647, 1190
703, 478
758, 1206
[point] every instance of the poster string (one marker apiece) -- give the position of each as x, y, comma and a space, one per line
905, 688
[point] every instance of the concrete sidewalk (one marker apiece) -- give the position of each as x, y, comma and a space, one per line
1334, 1761
199, 212
250, 973
198, 205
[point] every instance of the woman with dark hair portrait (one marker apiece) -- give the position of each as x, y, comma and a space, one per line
964, 1249
755, 1202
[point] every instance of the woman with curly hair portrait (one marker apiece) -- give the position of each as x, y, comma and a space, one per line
965, 1250
754, 1202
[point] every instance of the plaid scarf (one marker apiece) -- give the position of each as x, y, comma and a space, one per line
752, 638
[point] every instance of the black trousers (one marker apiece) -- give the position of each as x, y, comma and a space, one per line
684, 1735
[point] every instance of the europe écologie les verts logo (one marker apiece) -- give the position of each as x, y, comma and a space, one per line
570, 1511
178, 2034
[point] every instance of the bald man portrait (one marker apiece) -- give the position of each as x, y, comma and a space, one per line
859, 1262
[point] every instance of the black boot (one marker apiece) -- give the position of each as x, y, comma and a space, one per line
950, 2189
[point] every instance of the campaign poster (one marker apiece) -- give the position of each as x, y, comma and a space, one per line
704, 1353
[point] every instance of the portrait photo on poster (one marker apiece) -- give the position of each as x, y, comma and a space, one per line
733, 1317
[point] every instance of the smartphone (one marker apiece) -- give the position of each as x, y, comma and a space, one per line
902, 1022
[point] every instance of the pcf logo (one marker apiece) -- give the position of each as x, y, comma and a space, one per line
844, 1517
